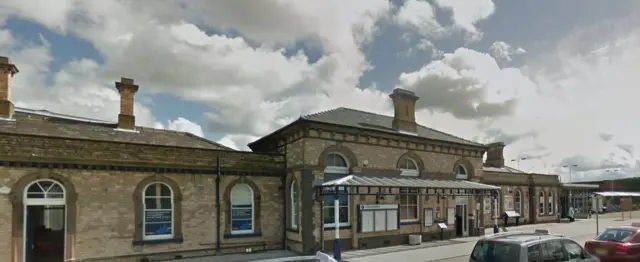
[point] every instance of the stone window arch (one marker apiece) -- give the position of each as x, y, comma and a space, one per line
550, 202
293, 204
463, 169
518, 201
17, 197
154, 189
242, 198
337, 159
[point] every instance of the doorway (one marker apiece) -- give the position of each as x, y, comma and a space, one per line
44, 222
461, 221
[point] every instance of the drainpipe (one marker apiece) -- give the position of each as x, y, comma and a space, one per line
218, 213
284, 202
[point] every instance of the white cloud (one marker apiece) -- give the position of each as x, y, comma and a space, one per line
184, 125
504, 51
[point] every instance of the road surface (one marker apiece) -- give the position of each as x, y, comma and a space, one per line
580, 231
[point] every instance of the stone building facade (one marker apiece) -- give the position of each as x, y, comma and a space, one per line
84, 189
534, 197
89, 190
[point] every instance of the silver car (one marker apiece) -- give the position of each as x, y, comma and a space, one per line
537, 246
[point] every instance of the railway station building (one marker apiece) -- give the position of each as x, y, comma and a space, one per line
79, 189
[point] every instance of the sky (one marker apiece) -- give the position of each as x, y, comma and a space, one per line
557, 81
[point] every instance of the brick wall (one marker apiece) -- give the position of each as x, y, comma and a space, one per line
105, 212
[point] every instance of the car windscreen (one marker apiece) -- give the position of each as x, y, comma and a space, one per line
616, 235
495, 251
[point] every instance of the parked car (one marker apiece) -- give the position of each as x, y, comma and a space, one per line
537, 246
616, 244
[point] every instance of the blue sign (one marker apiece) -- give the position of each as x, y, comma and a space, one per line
157, 216
241, 224
157, 229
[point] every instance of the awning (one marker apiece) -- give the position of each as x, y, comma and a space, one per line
579, 186
621, 194
403, 182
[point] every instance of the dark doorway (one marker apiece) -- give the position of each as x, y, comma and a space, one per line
44, 233
459, 222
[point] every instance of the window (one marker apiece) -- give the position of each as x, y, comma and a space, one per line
495, 206
408, 167
242, 213
487, 205
616, 235
534, 254
294, 205
336, 163
461, 172
574, 251
494, 251
336, 167
518, 202
408, 204
379, 218
552, 251
541, 201
158, 212
550, 203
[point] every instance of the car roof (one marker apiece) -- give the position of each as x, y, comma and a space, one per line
625, 227
523, 238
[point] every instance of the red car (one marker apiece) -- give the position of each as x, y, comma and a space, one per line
616, 244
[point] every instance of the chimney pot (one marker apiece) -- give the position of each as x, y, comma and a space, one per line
495, 154
404, 106
127, 90
7, 71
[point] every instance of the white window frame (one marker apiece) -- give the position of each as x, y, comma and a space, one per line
517, 202
496, 208
460, 175
404, 171
406, 196
329, 169
144, 212
253, 212
542, 201
550, 203
293, 197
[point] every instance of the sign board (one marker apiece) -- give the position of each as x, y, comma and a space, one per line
428, 217
451, 216
626, 204
379, 207
442, 225
487, 205
512, 214
508, 202
157, 216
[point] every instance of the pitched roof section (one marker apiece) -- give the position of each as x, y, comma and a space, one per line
366, 120
45, 123
504, 169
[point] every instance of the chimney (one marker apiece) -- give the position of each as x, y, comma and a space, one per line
127, 89
7, 70
495, 154
404, 106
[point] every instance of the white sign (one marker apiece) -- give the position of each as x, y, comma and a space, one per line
428, 217
378, 207
487, 205
451, 216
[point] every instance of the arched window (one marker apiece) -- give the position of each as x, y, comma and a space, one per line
335, 167
518, 202
49, 195
408, 166
158, 215
495, 205
461, 172
541, 200
294, 204
242, 212
336, 164
550, 203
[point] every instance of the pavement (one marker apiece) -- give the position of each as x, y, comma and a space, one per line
455, 250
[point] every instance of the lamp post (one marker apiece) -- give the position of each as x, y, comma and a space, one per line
336, 219
495, 212
570, 167
517, 160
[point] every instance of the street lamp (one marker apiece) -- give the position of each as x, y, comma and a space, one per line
517, 160
570, 167
615, 170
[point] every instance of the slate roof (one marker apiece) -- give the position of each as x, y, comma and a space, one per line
45, 123
411, 182
367, 120
504, 169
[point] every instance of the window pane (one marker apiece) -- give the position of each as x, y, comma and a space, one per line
413, 200
574, 250
344, 200
55, 195
35, 195
35, 188
152, 229
56, 188
165, 203
333, 159
150, 203
151, 190
245, 224
461, 170
411, 165
241, 194
45, 185
165, 191
344, 214
327, 215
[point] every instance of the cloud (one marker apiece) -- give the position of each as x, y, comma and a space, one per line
504, 51
183, 125
468, 84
